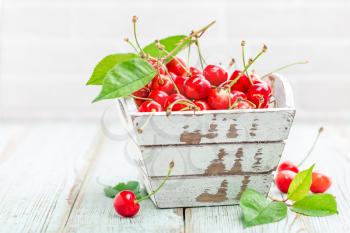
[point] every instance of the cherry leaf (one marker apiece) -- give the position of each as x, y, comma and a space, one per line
107, 63
318, 205
300, 185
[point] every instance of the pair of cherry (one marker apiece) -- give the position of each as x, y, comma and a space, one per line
287, 171
178, 87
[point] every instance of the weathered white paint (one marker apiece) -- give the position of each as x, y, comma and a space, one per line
219, 126
212, 159
208, 191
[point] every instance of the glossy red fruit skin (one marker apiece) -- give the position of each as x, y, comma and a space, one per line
197, 87
320, 182
244, 105
163, 83
158, 96
288, 165
180, 83
138, 102
220, 99
259, 94
194, 71
150, 106
243, 82
215, 74
175, 67
283, 180
238, 94
203, 105
176, 107
156, 66
142, 92
125, 205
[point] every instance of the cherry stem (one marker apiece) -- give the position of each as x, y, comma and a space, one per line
320, 130
277, 200
196, 34
171, 166
134, 20
201, 58
247, 66
243, 54
182, 101
140, 130
189, 53
173, 82
140, 98
284, 67
231, 63
131, 44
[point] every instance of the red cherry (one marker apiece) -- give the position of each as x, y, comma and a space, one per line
244, 104
320, 182
283, 180
150, 106
220, 99
180, 83
197, 87
215, 74
156, 65
288, 165
178, 106
125, 204
238, 94
176, 66
259, 94
203, 105
163, 83
242, 83
138, 102
194, 71
158, 96
142, 92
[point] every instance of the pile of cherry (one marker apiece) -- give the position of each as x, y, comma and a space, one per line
287, 171
179, 87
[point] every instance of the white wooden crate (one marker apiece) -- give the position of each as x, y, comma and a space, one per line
217, 154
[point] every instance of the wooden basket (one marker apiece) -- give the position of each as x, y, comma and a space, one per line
217, 154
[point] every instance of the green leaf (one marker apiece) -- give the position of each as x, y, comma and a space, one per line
134, 186
300, 185
125, 78
169, 44
258, 210
316, 205
107, 63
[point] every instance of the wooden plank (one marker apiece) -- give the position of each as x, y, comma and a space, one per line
208, 191
41, 170
216, 126
330, 157
212, 159
93, 212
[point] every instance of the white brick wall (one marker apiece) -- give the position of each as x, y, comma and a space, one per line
49, 47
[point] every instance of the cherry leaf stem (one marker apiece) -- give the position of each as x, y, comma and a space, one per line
247, 67
196, 34
320, 130
171, 166
134, 20
284, 67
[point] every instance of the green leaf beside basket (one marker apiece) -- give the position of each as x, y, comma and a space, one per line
300, 185
316, 205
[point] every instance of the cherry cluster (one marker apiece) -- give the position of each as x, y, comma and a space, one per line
180, 87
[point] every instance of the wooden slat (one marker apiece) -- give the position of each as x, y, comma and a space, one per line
208, 190
331, 156
212, 159
41, 169
93, 212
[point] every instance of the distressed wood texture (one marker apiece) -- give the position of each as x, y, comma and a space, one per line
93, 212
212, 159
331, 156
219, 126
208, 191
42, 166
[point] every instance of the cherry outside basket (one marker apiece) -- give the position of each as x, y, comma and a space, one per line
217, 153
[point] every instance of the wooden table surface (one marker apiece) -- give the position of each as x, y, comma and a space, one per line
49, 172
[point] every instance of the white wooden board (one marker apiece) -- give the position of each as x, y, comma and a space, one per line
212, 159
208, 191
